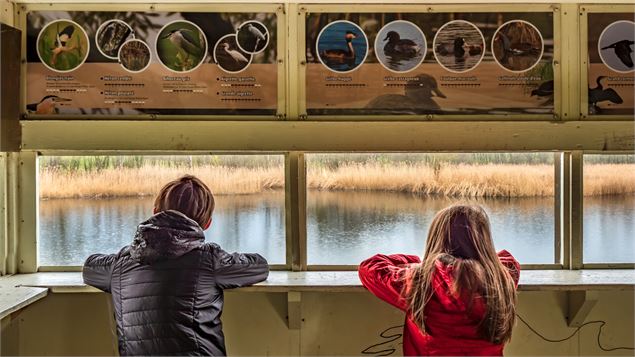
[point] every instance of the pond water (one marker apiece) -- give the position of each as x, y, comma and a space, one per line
342, 227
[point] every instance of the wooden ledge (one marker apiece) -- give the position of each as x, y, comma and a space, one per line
348, 281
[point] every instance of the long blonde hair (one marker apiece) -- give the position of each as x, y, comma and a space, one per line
460, 236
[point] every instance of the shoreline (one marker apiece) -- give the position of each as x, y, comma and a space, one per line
448, 180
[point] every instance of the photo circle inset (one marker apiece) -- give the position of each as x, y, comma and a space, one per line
62, 45
458, 46
400, 46
181, 46
252, 37
615, 46
228, 55
134, 56
342, 46
517, 46
111, 35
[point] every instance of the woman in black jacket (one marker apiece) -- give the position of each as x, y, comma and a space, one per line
167, 286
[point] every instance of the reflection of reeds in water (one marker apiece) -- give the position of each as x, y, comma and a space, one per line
450, 180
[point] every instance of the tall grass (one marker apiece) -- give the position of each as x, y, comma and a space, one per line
439, 179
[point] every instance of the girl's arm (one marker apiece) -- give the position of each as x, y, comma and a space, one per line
511, 264
382, 276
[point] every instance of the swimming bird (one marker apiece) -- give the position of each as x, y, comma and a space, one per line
418, 96
341, 55
47, 105
237, 56
398, 46
515, 49
544, 89
623, 51
599, 94
186, 40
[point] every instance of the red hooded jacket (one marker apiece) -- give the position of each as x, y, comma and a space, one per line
451, 327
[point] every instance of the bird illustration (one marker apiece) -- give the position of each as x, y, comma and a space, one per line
340, 55
238, 57
545, 89
514, 49
401, 47
418, 95
257, 34
47, 105
623, 51
186, 40
599, 94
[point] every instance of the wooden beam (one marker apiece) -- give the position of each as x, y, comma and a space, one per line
580, 304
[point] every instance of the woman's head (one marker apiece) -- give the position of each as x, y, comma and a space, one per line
460, 236
188, 195
462, 231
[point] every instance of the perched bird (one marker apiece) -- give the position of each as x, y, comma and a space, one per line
340, 55
47, 105
257, 34
418, 96
623, 51
237, 56
599, 94
186, 40
65, 35
402, 47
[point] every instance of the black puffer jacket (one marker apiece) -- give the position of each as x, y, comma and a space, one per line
167, 287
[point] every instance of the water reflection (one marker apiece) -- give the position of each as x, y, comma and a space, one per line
72, 229
609, 226
346, 227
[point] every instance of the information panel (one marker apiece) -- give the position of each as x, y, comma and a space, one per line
429, 63
611, 42
177, 63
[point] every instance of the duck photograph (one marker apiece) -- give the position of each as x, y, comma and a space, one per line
62, 45
252, 37
111, 35
610, 70
459, 46
400, 46
229, 56
181, 46
342, 46
616, 46
134, 56
452, 50
517, 46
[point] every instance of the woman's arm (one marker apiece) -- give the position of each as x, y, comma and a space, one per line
382, 275
511, 264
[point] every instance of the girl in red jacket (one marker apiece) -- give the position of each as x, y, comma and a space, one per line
461, 299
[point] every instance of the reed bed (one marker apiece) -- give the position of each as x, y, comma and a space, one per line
450, 180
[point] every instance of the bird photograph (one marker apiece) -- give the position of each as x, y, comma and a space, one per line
134, 55
111, 35
418, 98
47, 105
62, 45
229, 57
517, 46
253, 37
616, 45
400, 46
342, 46
600, 94
459, 46
181, 46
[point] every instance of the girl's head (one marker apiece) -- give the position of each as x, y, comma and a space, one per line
188, 195
460, 237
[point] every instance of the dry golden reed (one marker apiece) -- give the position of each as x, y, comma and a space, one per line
491, 180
